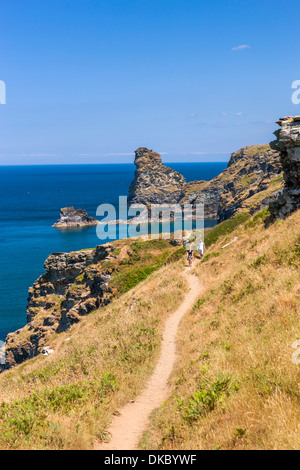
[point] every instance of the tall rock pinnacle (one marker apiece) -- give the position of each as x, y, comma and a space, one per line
154, 183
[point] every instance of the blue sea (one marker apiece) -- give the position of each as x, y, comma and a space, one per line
30, 202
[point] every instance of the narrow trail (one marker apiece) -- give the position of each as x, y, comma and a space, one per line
126, 429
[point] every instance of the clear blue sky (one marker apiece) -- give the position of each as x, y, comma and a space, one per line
91, 80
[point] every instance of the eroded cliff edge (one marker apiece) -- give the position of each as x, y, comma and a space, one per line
78, 283
73, 285
288, 144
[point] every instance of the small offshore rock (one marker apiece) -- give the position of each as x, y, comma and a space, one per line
71, 217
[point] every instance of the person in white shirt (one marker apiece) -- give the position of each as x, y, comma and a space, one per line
201, 248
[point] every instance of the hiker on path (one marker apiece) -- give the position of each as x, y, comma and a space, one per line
190, 257
201, 248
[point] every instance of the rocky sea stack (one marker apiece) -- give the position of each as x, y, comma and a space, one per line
154, 183
288, 144
71, 217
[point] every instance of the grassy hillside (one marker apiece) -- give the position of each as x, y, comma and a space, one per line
235, 385
65, 401
76, 284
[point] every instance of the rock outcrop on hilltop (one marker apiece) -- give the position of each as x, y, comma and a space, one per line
154, 183
252, 175
71, 217
288, 144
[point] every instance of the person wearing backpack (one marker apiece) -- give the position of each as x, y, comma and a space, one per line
190, 257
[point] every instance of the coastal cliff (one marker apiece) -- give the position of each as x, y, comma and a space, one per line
73, 285
236, 363
78, 283
252, 175
288, 144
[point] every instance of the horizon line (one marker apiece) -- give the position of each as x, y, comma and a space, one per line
103, 163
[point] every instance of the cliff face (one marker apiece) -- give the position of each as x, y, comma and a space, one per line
252, 175
288, 144
74, 285
78, 283
154, 183
204, 192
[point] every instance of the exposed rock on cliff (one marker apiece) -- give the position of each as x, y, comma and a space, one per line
252, 175
288, 144
154, 183
76, 284
204, 192
257, 174
71, 217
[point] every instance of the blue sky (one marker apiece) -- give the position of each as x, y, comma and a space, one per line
90, 81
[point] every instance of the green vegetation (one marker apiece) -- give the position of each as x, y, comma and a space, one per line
142, 263
208, 256
176, 255
29, 415
258, 218
207, 396
246, 180
255, 149
125, 280
224, 228
277, 179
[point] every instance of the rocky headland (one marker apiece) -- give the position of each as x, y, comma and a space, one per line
253, 174
71, 217
78, 283
73, 285
288, 145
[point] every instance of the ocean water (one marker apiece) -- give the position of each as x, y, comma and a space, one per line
30, 202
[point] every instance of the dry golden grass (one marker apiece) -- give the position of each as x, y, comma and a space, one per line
235, 385
66, 400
